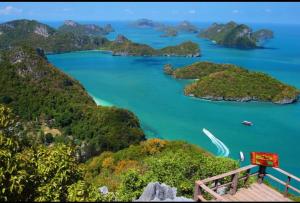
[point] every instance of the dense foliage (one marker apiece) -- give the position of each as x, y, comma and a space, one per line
198, 70
37, 91
230, 82
235, 35
187, 48
39, 173
175, 163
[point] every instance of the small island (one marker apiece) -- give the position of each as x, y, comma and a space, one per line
236, 35
122, 46
169, 30
232, 83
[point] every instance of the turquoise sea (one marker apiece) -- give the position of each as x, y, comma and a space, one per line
138, 84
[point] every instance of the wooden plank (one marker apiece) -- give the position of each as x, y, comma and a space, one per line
257, 194
283, 183
228, 173
281, 196
287, 174
265, 195
277, 196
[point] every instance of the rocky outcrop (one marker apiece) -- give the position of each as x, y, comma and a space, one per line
41, 30
120, 39
70, 23
168, 69
108, 28
286, 100
161, 192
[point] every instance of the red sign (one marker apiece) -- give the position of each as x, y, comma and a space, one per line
264, 159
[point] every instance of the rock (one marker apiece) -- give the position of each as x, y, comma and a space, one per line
168, 69
108, 28
103, 190
71, 23
286, 101
160, 192
41, 30
121, 39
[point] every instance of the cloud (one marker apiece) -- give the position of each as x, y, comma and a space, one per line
235, 11
268, 10
192, 11
128, 11
9, 10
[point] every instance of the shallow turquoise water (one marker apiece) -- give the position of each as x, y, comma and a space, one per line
138, 84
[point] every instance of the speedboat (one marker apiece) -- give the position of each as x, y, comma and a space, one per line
247, 123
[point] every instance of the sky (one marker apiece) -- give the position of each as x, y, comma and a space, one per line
242, 12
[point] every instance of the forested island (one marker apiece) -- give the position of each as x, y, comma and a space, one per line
236, 35
73, 36
232, 83
122, 46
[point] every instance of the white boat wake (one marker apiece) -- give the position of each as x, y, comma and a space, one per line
222, 148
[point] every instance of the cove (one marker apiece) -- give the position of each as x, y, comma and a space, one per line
138, 84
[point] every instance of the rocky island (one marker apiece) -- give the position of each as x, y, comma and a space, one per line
232, 83
122, 46
236, 35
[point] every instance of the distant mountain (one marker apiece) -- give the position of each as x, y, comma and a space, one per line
85, 29
169, 30
146, 23
235, 35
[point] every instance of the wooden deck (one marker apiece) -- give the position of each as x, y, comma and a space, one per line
256, 192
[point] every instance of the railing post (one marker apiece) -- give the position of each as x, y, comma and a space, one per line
287, 186
234, 184
247, 176
197, 191
261, 174
216, 185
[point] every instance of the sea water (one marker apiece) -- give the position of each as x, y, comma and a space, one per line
139, 84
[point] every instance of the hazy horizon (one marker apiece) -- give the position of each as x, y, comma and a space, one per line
241, 12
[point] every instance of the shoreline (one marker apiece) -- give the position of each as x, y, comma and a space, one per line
101, 102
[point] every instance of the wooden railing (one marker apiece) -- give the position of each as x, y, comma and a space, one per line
201, 185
